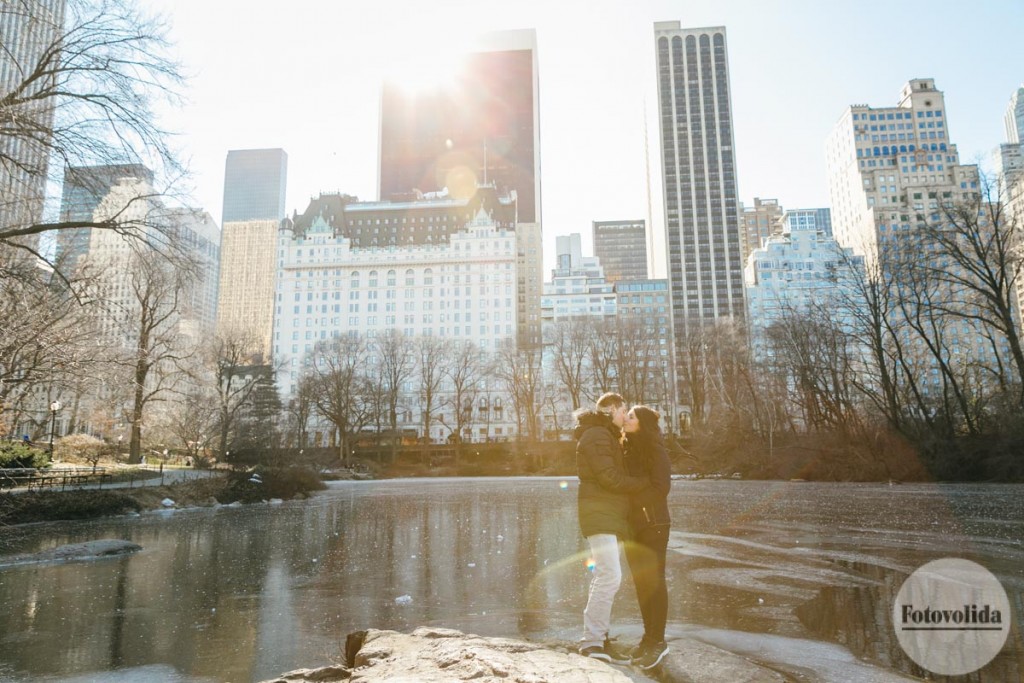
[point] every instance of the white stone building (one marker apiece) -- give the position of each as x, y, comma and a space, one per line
798, 267
891, 170
461, 288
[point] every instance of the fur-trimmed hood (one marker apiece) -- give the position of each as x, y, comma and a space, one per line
585, 419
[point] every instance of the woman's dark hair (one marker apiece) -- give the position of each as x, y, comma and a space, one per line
650, 429
649, 419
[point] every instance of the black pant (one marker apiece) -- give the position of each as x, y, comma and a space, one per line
646, 557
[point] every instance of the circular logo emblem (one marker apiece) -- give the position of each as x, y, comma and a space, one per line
951, 616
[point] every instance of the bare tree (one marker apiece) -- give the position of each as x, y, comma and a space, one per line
975, 250
569, 342
603, 355
41, 334
193, 422
340, 388
86, 97
811, 352
396, 360
868, 300
692, 368
432, 365
300, 409
522, 373
233, 361
637, 351
466, 370
923, 303
156, 287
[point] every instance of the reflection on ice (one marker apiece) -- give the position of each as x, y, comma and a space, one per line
798, 575
140, 674
803, 659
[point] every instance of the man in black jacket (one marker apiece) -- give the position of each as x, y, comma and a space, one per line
604, 515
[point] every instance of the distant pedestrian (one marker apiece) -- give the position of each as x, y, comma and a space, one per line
647, 457
603, 514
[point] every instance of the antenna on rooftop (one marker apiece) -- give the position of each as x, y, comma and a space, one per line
650, 219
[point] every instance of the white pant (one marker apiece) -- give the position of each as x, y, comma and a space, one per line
604, 549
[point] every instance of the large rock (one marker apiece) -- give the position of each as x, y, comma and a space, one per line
433, 655
75, 551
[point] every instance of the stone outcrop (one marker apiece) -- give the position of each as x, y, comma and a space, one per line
432, 655
75, 551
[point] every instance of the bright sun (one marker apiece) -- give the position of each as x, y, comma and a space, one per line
426, 61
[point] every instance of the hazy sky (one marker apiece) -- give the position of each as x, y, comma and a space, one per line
305, 76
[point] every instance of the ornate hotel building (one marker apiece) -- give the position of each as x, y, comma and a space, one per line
437, 267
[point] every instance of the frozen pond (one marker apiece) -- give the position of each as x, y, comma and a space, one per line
798, 575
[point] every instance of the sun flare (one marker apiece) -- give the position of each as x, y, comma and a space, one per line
423, 64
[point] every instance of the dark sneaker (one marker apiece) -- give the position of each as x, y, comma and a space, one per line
598, 652
649, 655
618, 655
637, 650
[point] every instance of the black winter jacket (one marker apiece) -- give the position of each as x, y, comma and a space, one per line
604, 485
648, 458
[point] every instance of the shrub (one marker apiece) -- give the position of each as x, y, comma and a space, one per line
80, 448
19, 454
55, 505
273, 482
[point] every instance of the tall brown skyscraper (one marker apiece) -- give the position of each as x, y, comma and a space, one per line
482, 127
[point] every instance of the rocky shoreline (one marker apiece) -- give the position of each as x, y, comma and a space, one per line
433, 655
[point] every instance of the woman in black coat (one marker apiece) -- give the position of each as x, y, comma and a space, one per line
646, 457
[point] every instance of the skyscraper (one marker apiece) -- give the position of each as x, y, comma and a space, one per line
1015, 118
890, 167
254, 185
1008, 158
622, 248
482, 128
83, 190
254, 205
699, 175
27, 31
705, 270
893, 174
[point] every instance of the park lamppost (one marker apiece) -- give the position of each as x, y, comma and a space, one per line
54, 408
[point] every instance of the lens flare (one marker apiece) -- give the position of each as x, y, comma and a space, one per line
563, 485
590, 564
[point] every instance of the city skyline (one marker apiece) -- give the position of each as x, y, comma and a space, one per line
793, 76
